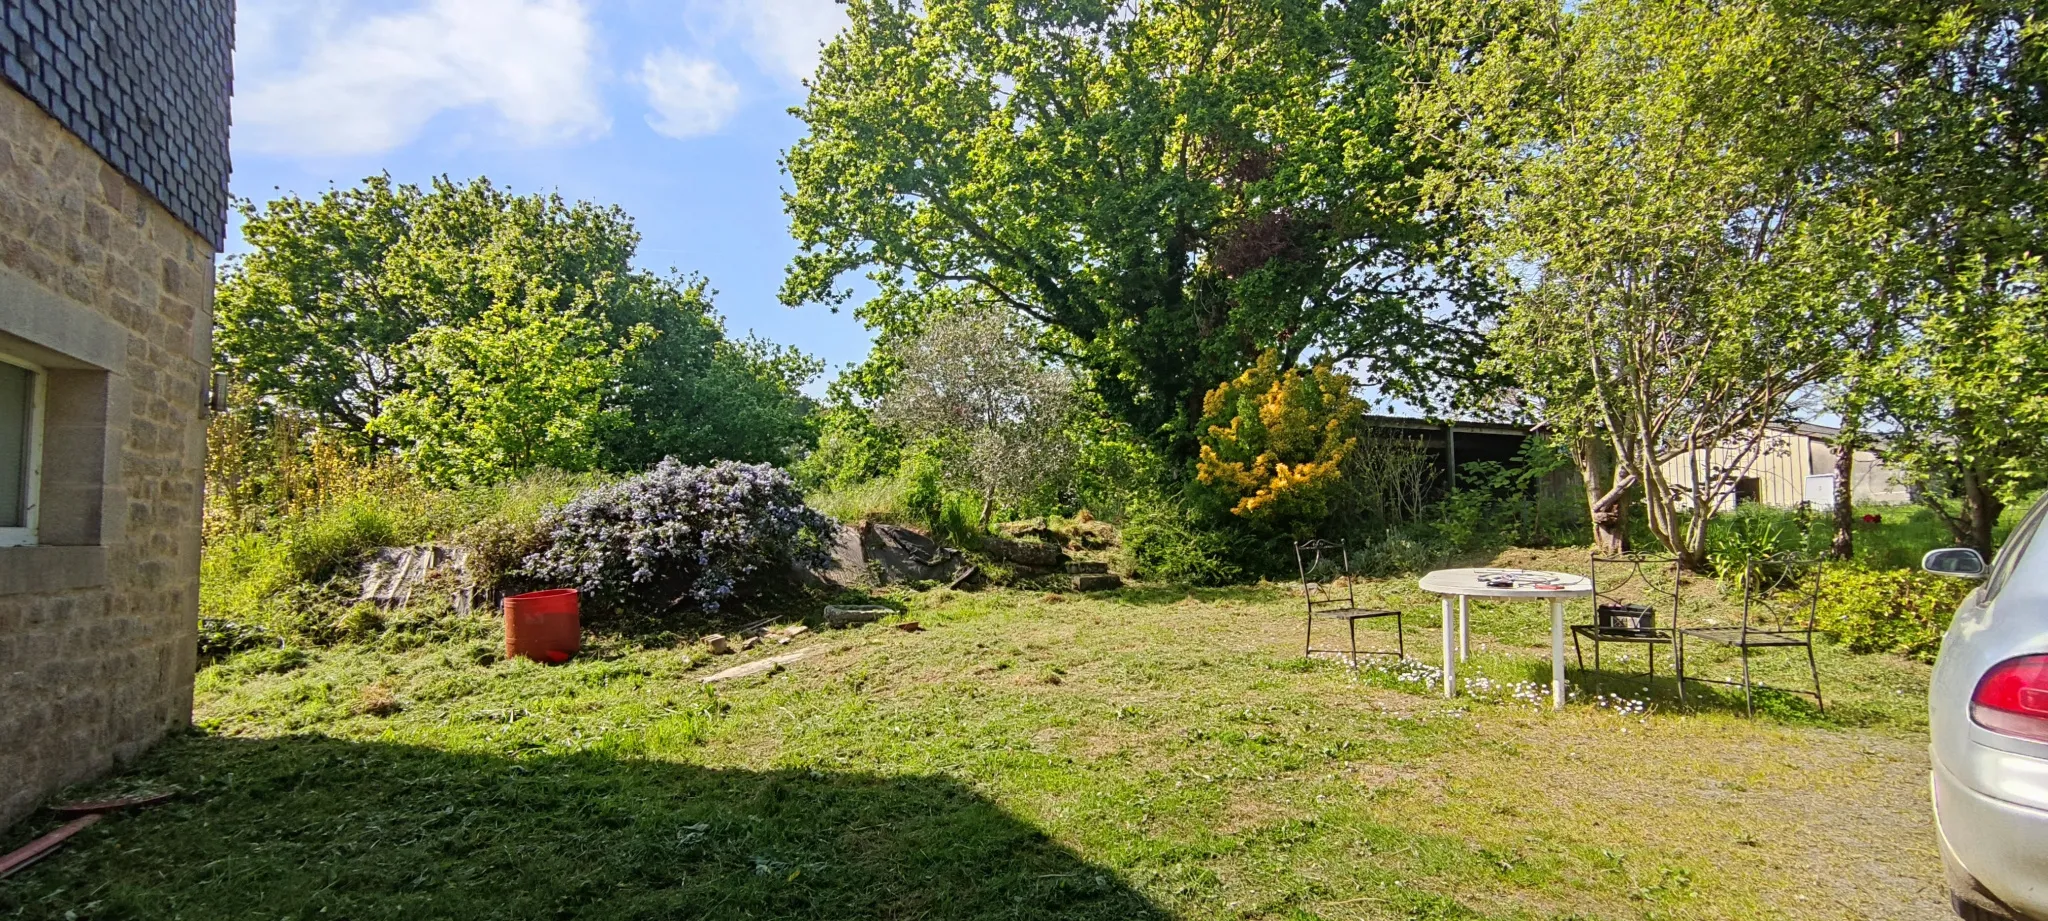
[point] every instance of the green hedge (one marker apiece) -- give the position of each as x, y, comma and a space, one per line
1898, 610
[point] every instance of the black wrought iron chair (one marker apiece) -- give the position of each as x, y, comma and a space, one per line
1326, 586
1635, 601
1780, 599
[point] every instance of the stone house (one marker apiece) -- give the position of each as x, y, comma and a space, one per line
113, 195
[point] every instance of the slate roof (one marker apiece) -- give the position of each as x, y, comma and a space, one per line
144, 83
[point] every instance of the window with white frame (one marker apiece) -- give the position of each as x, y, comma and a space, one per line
21, 431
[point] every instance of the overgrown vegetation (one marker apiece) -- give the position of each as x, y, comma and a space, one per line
294, 577
680, 538
1172, 317
1896, 611
981, 404
1769, 245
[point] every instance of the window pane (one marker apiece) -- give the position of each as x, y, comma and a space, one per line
14, 441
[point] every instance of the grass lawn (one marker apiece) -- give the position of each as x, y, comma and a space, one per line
1154, 753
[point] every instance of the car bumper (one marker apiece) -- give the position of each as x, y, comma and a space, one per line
1992, 848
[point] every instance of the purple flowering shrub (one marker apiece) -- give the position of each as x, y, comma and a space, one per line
679, 536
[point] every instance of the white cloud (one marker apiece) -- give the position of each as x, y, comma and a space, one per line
783, 36
689, 96
321, 77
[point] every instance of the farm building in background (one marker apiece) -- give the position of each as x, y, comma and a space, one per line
1453, 444
1795, 464
1444, 447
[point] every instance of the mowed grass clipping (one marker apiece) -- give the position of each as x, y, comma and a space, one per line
1153, 753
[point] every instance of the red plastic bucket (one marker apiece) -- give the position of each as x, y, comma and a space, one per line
543, 626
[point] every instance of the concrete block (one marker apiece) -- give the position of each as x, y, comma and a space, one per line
1097, 582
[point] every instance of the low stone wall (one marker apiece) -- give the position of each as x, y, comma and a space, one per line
101, 286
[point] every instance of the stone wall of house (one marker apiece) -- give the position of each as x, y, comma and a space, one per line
111, 294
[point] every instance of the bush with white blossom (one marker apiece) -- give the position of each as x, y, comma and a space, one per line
680, 537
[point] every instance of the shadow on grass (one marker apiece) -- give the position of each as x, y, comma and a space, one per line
311, 826
1633, 681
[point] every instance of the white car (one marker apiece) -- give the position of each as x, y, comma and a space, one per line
1988, 715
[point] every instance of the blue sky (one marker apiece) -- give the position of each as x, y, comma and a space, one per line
675, 110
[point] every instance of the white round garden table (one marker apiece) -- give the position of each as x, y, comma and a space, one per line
1458, 585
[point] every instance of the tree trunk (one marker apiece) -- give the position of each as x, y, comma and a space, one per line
1844, 546
988, 506
1608, 509
1610, 525
1851, 438
1980, 512
1184, 441
1692, 553
1687, 542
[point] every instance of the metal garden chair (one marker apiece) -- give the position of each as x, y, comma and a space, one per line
1780, 599
1326, 587
1635, 601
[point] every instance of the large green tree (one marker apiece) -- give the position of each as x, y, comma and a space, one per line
515, 389
1658, 183
1953, 143
1964, 397
1169, 188
485, 333
333, 286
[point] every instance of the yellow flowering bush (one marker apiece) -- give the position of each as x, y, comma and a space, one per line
1274, 441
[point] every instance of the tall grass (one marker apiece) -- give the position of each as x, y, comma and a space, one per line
952, 516
879, 499
293, 574
1909, 531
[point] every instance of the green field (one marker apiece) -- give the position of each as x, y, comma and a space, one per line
1155, 753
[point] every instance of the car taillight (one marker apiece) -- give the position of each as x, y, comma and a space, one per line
2013, 698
